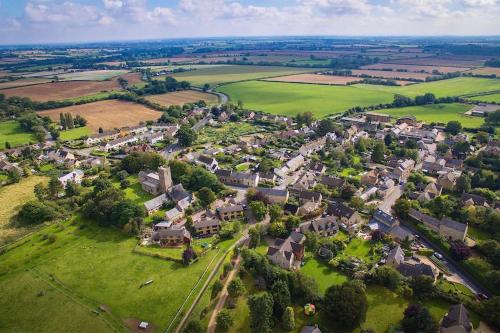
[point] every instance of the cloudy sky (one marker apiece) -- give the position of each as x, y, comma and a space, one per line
42, 21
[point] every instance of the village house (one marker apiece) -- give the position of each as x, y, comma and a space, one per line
469, 199
448, 181
231, 212
120, 142
318, 168
274, 195
6, 166
61, 156
332, 182
100, 137
209, 163
403, 169
267, 178
446, 227
324, 226
207, 227
395, 257
388, 224
369, 177
312, 147
233, 178
347, 216
75, 176
156, 203
409, 120
295, 163
173, 236
287, 253
380, 117
305, 182
154, 138
456, 320
169, 129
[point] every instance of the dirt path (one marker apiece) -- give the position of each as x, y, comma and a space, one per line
223, 297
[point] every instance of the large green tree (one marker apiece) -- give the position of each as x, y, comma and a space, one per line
261, 312
346, 304
186, 136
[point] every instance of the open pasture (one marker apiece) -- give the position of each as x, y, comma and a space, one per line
486, 71
69, 89
182, 97
390, 74
12, 132
292, 98
453, 87
233, 73
493, 98
74, 265
107, 114
315, 79
441, 113
414, 68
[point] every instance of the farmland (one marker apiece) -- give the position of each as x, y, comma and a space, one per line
182, 97
91, 75
12, 132
493, 98
107, 114
292, 98
216, 75
22, 82
15, 195
441, 113
67, 90
391, 74
74, 264
315, 79
441, 61
453, 87
486, 71
415, 68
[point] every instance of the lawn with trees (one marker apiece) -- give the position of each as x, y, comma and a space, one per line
14, 135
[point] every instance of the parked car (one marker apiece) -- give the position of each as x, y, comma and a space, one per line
438, 255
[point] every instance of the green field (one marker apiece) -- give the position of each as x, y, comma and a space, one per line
292, 98
324, 275
228, 131
12, 132
439, 113
75, 133
453, 87
216, 75
493, 98
97, 75
95, 266
15, 195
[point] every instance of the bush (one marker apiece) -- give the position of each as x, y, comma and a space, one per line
36, 212
224, 319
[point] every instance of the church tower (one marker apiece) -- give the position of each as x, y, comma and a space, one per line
165, 179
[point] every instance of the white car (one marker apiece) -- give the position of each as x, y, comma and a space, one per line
438, 255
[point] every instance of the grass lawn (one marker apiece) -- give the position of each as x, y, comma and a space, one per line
358, 248
15, 195
32, 303
384, 308
75, 133
135, 192
215, 75
243, 167
95, 266
441, 113
292, 98
324, 275
493, 98
453, 87
229, 131
12, 132
477, 234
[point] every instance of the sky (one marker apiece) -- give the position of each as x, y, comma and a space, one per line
56, 21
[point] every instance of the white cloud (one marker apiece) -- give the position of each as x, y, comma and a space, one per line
66, 12
113, 4
480, 3
340, 7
